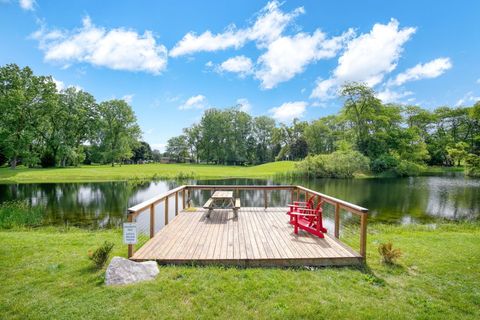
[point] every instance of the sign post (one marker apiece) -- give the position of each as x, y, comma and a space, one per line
129, 233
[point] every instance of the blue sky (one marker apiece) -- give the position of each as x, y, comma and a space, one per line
173, 59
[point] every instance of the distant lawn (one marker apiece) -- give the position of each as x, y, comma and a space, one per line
142, 171
45, 274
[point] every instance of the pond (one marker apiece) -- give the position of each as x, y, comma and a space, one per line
390, 200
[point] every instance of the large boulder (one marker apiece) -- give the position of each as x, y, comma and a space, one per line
124, 271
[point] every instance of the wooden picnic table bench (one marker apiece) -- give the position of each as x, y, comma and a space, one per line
222, 200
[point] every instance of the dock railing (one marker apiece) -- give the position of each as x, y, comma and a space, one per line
152, 215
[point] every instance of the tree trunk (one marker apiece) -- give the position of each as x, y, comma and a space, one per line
13, 163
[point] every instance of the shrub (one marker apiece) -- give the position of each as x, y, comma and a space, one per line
20, 214
472, 165
100, 256
384, 163
407, 169
388, 253
339, 164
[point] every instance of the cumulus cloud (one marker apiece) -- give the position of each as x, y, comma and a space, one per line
431, 69
289, 55
118, 49
388, 95
468, 98
194, 102
268, 26
244, 105
59, 84
128, 98
367, 58
239, 64
27, 4
289, 111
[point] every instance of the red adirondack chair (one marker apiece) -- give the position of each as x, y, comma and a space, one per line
307, 217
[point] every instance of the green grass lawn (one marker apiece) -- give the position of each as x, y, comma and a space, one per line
45, 274
143, 171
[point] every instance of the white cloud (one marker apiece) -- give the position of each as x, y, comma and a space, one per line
128, 98
194, 102
62, 86
431, 69
388, 95
468, 98
244, 104
27, 4
118, 49
59, 84
268, 26
239, 64
367, 58
289, 111
287, 56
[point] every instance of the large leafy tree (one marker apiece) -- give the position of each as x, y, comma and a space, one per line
177, 148
118, 131
69, 122
23, 96
360, 110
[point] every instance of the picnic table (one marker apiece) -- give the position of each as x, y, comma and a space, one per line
222, 200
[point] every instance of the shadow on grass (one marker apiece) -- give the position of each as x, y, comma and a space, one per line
370, 276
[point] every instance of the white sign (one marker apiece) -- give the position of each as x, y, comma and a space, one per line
129, 232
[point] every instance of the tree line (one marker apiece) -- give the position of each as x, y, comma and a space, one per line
398, 138
40, 125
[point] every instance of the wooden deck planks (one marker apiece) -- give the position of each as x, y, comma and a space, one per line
258, 237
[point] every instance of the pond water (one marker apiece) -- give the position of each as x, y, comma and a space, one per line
390, 200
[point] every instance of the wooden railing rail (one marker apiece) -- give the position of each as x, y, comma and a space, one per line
350, 207
295, 191
150, 204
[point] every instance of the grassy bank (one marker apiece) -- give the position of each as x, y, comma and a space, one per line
46, 275
141, 171
96, 173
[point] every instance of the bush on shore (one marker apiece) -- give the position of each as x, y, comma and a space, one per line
472, 165
339, 164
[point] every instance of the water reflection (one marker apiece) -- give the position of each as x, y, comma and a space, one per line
406, 200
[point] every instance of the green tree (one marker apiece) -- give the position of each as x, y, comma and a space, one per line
22, 97
359, 110
263, 130
118, 131
177, 148
141, 152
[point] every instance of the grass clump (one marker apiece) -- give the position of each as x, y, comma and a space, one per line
100, 256
388, 253
14, 214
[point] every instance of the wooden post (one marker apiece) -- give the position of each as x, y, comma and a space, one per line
131, 249
183, 199
166, 210
188, 198
292, 195
152, 220
176, 203
363, 235
337, 220
265, 198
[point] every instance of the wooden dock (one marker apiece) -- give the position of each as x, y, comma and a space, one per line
258, 237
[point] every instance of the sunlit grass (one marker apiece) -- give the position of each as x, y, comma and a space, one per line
46, 274
143, 171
